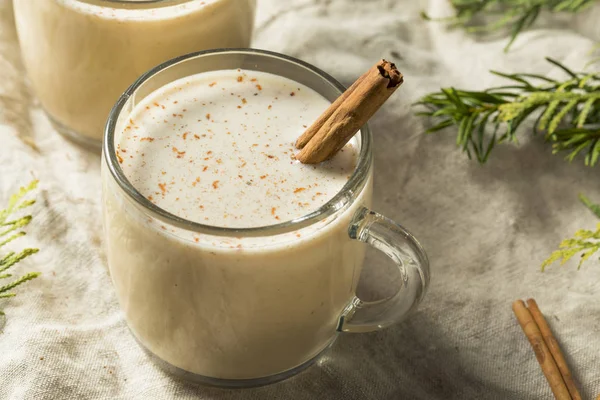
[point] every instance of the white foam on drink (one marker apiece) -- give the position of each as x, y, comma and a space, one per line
216, 148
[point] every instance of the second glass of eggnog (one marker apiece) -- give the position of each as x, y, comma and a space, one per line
235, 264
80, 55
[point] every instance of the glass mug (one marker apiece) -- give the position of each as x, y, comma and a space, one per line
80, 55
212, 313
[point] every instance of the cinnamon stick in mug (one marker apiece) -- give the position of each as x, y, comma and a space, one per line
336, 126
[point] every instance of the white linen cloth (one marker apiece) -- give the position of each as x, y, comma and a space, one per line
486, 228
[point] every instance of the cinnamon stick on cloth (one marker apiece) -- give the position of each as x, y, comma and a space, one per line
345, 116
542, 353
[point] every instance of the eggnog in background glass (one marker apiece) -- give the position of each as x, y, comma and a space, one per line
81, 55
235, 264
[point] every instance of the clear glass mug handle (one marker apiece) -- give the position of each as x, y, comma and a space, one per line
405, 251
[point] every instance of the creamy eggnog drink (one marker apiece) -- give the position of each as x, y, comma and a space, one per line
234, 262
81, 55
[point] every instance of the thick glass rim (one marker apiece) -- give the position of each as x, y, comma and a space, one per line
347, 194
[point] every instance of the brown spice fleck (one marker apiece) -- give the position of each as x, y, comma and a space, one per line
149, 139
298, 190
273, 210
253, 80
196, 136
244, 101
270, 106
207, 116
263, 176
212, 84
204, 169
197, 181
150, 198
240, 78
215, 184
185, 135
179, 153
259, 87
119, 158
163, 187
293, 94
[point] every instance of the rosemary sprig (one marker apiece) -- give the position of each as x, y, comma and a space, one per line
584, 241
10, 229
568, 112
514, 15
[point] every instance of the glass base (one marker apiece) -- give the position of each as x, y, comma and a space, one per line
231, 383
83, 141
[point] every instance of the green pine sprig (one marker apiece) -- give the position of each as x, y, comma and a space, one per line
568, 111
584, 241
10, 229
512, 15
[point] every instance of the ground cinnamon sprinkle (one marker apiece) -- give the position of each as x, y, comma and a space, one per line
240, 144
179, 153
119, 158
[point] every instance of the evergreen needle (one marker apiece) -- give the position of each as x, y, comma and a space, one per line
8, 234
568, 112
584, 241
511, 15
